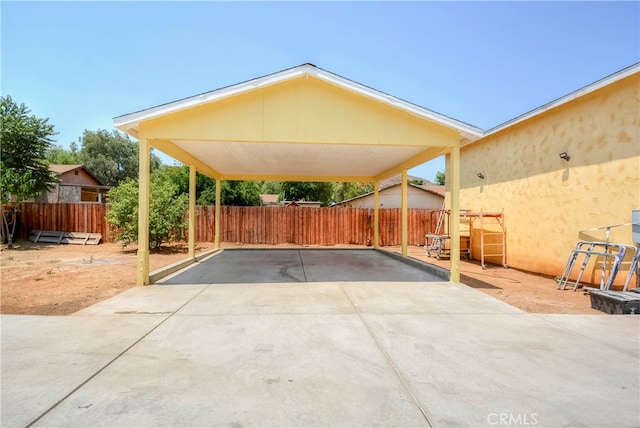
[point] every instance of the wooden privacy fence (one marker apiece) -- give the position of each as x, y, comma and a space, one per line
78, 217
308, 226
252, 225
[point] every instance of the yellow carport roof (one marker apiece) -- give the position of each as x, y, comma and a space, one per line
303, 123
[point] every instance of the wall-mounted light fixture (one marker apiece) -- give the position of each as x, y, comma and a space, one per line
480, 176
565, 156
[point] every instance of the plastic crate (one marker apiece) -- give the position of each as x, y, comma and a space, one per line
615, 302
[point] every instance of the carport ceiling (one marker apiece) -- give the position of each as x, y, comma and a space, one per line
303, 123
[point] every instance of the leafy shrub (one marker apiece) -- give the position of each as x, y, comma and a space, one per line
167, 209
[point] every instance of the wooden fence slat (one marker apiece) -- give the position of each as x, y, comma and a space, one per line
251, 225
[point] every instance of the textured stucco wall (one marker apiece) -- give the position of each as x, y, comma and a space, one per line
547, 200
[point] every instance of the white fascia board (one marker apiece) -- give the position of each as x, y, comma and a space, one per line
612, 78
127, 121
132, 120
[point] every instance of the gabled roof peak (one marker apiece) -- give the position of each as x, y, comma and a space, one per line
63, 169
131, 121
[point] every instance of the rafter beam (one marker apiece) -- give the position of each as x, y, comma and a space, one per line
332, 178
186, 158
412, 162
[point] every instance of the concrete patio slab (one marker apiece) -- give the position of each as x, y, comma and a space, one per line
422, 298
473, 370
360, 265
285, 298
46, 358
620, 333
298, 354
265, 370
235, 266
144, 301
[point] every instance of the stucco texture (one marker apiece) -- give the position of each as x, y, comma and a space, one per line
547, 200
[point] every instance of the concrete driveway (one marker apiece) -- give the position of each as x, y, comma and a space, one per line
235, 266
360, 353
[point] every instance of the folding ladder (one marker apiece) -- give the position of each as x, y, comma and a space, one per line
436, 242
598, 249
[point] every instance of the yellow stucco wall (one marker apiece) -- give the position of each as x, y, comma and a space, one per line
547, 200
305, 109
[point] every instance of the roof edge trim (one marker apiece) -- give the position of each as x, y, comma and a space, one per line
433, 192
132, 120
585, 90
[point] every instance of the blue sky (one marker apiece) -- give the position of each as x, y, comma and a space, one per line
83, 63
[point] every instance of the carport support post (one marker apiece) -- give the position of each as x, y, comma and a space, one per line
376, 215
144, 155
454, 219
217, 221
405, 213
192, 211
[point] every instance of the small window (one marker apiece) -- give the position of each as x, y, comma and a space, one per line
75, 172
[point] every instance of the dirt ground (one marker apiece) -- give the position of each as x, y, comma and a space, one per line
48, 279
528, 291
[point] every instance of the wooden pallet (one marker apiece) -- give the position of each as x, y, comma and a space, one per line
54, 237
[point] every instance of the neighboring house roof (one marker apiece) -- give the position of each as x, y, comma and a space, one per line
440, 190
397, 179
612, 78
301, 203
131, 121
63, 169
437, 190
426, 184
268, 199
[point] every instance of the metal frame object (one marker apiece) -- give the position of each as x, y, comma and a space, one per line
634, 268
435, 244
616, 259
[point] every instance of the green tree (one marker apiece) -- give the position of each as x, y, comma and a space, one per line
111, 156
440, 178
347, 190
60, 156
238, 193
270, 187
180, 176
24, 172
307, 191
234, 193
167, 212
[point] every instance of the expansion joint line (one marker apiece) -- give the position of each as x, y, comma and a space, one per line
389, 361
56, 404
302, 264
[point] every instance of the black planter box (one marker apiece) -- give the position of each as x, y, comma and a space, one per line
615, 302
